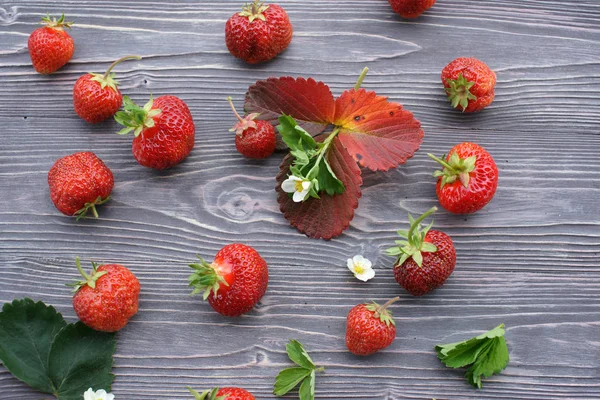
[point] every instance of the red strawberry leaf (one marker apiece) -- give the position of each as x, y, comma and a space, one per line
328, 216
308, 101
378, 134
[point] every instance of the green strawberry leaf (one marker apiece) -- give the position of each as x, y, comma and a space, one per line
487, 354
288, 379
327, 180
39, 348
298, 355
27, 330
294, 135
81, 358
307, 389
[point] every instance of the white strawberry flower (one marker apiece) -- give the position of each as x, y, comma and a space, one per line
98, 395
361, 268
299, 186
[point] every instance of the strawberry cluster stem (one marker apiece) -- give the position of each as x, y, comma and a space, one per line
80, 269
120, 60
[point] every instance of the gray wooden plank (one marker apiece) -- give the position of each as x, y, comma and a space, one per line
529, 259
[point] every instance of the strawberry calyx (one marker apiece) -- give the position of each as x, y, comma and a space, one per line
135, 118
458, 92
89, 279
108, 78
455, 168
247, 122
207, 394
381, 311
56, 23
254, 10
206, 278
414, 243
82, 213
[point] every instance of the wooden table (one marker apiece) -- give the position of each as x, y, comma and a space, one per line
530, 259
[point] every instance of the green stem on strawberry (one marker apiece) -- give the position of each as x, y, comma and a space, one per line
361, 78
56, 24
414, 243
455, 168
382, 308
417, 221
254, 10
120, 60
82, 213
89, 280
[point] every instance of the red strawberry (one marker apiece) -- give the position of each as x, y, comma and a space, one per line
253, 139
106, 299
258, 33
227, 393
411, 8
370, 328
51, 47
78, 183
469, 84
96, 97
425, 259
235, 281
469, 179
163, 128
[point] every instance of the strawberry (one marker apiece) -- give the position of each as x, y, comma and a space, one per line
78, 183
163, 129
106, 299
370, 328
411, 8
51, 47
253, 139
258, 33
227, 393
426, 258
469, 84
468, 180
235, 281
96, 97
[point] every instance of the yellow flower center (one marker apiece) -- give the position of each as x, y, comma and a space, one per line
359, 269
299, 186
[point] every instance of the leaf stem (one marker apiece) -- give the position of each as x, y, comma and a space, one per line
320, 369
386, 305
416, 223
120, 60
361, 78
325, 147
230, 100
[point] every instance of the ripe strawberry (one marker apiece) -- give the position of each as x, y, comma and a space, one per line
106, 299
370, 328
227, 393
51, 47
411, 8
96, 97
235, 281
425, 259
469, 179
163, 129
469, 84
258, 33
78, 183
253, 139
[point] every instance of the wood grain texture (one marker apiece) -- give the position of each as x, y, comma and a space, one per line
529, 259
